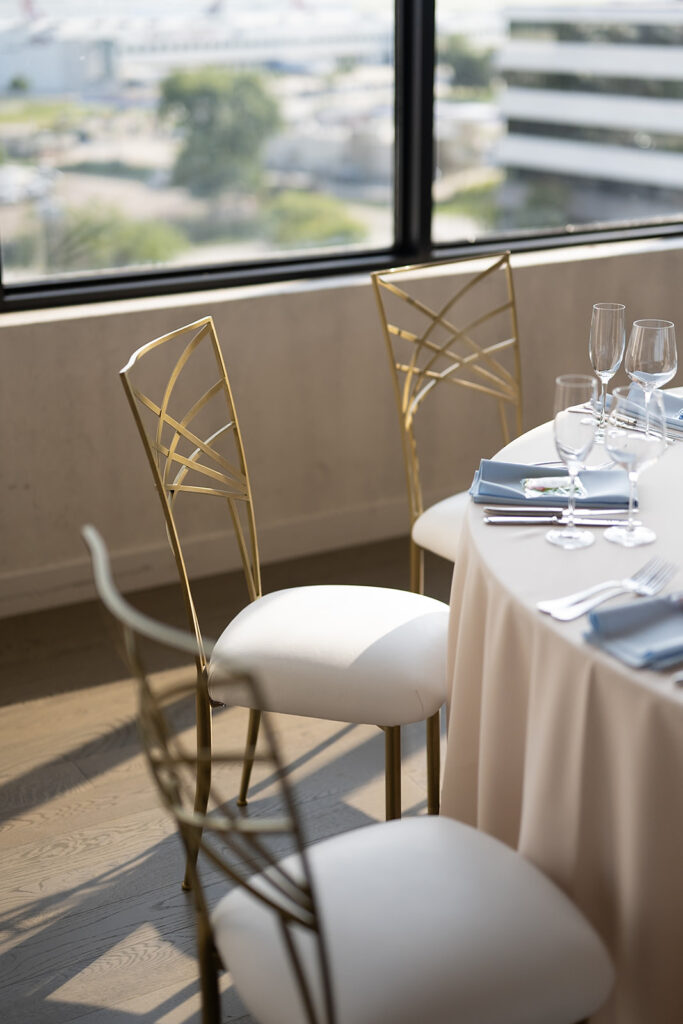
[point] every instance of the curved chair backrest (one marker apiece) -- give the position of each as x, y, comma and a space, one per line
238, 845
180, 396
457, 328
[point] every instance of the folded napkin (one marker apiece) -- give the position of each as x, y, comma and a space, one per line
647, 633
673, 407
502, 483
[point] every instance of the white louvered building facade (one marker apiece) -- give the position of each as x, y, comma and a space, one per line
593, 103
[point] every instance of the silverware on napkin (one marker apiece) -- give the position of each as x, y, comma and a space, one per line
551, 510
637, 422
673, 433
541, 520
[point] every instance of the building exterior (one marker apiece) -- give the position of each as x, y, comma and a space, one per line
593, 103
51, 61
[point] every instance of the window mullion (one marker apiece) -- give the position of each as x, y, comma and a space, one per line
414, 112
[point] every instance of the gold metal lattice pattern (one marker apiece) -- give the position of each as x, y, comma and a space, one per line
192, 438
450, 328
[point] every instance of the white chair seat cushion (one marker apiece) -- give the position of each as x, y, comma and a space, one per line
425, 919
345, 653
438, 528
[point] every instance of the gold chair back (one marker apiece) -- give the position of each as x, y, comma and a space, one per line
240, 847
450, 323
180, 396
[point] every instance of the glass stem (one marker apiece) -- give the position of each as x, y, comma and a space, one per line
632, 483
647, 413
572, 498
603, 399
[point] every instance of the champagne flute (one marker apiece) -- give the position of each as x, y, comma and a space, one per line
651, 358
633, 448
606, 350
573, 439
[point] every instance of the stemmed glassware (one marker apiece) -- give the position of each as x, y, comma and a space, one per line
606, 349
574, 435
633, 447
651, 358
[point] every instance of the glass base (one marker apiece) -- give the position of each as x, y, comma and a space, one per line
569, 537
630, 538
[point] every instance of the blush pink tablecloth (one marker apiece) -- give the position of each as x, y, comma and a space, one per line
563, 752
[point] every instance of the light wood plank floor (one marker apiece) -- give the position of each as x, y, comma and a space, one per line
94, 926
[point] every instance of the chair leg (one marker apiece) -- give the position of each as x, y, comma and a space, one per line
433, 762
203, 783
417, 568
208, 974
392, 758
248, 763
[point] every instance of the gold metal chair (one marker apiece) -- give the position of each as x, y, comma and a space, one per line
422, 918
455, 323
238, 846
367, 655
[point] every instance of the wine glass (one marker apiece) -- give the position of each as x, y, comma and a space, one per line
651, 358
606, 350
574, 436
633, 448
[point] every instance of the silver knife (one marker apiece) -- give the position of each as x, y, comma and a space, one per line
535, 520
673, 433
550, 510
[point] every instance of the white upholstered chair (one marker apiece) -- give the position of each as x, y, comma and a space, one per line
418, 919
368, 655
448, 323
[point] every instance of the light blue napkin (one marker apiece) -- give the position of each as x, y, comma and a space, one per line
501, 483
673, 407
647, 633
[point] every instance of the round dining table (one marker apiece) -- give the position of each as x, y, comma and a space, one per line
562, 751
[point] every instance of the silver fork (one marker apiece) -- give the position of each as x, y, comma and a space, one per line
641, 575
646, 582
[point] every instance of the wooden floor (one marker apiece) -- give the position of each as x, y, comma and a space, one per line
94, 926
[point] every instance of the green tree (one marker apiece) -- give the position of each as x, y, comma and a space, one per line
346, 64
99, 237
18, 84
225, 117
480, 202
304, 218
471, 68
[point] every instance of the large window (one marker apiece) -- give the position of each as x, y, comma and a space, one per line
557, 116
186, 134
149, 145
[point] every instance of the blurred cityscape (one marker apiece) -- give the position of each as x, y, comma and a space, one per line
222, 130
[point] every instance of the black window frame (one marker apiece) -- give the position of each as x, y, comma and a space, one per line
415, 31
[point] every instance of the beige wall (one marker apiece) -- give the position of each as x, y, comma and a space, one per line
310, 377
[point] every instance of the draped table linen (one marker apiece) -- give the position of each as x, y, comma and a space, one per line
564, 752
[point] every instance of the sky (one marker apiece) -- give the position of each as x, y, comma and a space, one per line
131, 8
470, 17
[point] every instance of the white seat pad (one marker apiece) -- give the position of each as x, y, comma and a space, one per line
345, 653
438, 528
426, 919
